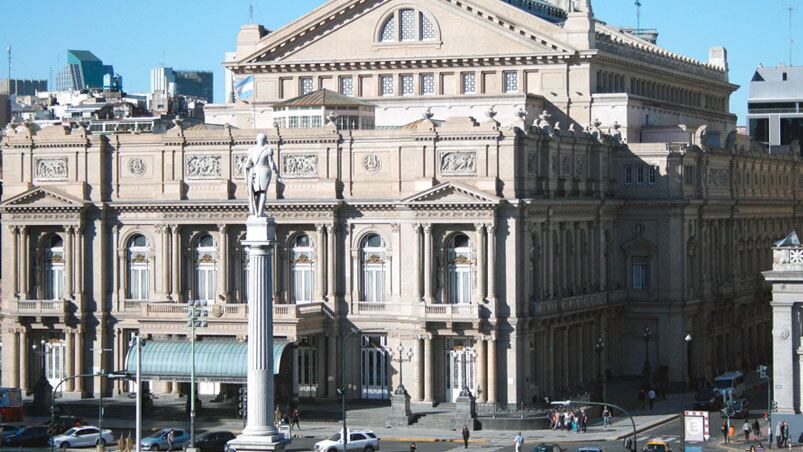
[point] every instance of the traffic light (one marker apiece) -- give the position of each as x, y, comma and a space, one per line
774, 407
762, 372
243, 405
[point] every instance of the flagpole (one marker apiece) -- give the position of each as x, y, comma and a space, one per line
254, 104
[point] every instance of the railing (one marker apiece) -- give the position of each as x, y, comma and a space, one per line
570, 304
233, 311
451, 311
519, 410
40, 307
371, 307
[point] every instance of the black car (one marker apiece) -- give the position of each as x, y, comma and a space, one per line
28, 437
213, 441
707, 399
547, 448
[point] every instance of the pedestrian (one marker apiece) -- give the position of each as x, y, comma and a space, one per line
642, 397
725, 431
785, 434
651, 396
466, 435
746, 429
756, 429
752, 448
606, 417
518, 441
121, 443
584, 421
129, 442
277, 416
760, 448
171, 436
778, 439
413, 447
296, 416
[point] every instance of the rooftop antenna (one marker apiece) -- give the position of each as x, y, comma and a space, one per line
791, 10
250, 12
638, 16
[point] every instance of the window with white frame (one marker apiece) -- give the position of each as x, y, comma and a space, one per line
460, 270
388, 31
407, 25
374, 268
640, 273
347, 86
54, 268
205, 268
427, 28
653, 174
640, 174
469, 83
302, 269
407, 85
428, 84
138, 267
386, 85
511, 82
628, 174
306, 375
306, 85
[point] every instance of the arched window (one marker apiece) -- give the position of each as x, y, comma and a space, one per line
54, 268
408, 25
388, 31
460, 270
138, 267
373, 268
302, 269
205, 268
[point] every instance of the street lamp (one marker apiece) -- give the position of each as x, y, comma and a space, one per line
102, 443
197, 312
42, 351
404, 355
690, 375
599, 346
342, 390
468, 356
647, 371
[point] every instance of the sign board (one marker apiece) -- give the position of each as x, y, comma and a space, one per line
695, 426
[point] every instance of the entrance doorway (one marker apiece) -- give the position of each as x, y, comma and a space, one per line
306, 377
55, 359
460, 361
374, 368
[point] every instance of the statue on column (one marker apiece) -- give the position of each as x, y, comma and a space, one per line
259, 170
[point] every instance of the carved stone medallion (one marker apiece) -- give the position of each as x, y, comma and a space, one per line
372, 163
136, 166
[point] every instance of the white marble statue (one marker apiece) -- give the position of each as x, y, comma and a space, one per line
259, 171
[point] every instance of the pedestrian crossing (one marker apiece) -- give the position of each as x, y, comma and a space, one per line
475, 448
669, 439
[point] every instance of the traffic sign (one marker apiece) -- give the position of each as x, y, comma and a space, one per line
695, 426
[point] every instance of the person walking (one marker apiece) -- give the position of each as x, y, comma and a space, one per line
121, 443
129, 442
466, 436
518, 442
584, 421
746, 429
295, 417
785, 434
171, 436
725, 432
413, 447
606, 417
778, 439
756, 429
651, 396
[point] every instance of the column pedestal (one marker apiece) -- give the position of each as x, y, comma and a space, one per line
260, 434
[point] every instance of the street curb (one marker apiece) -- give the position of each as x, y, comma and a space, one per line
433, 440
649, 427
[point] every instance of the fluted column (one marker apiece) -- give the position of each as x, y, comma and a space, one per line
25, 261
79, 359
119, 280
164, 259
15, 264
418, 359
491, 262
419, 261
319, 262
223, 264
23, 362
482, 372
175, 257
491, 391
331, 244
428, 374
482, 269
79, 266
69, 262
69, 347
428, 264
15, 358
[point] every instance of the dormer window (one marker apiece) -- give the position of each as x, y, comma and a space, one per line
407, 25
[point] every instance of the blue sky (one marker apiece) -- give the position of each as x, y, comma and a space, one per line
135, 35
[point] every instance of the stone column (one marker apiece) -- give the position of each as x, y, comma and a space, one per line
223, 264
418, 361
164, 258
79, 265
491, 391
783, 349
320, 365
331, 244
428, 374
15, 263
15, 359
119, 279
428, 264
419, 261
482, 373
23, 351
175, 257
25, 261
70, 350
277, 274
319, 262
482, 272
69, 262
491, 263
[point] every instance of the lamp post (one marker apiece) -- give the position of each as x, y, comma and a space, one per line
342, 390
102, 443
690, 375
468, 356
599, 346
647, 371
41, 350
197, 312
403, 355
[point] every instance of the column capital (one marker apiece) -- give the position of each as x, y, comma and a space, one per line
490, 227
479, 226
417, 227
319, 227
427, 228
14, 228
174, 228
161, 228
332, 227
70, 228
222, 228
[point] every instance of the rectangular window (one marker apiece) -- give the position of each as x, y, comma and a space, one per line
640, 274
628, 174
511, 82
407, 24
347, 86
688, 174
306, 85
407, 85
428, 84
653, 174
791, 130
293, 122
386, 85
640, 174
469, 83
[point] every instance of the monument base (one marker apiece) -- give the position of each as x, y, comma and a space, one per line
245, 443
259, 230
400, 413
464, 412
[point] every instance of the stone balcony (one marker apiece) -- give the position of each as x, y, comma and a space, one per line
40, 308
237, 312
566, 305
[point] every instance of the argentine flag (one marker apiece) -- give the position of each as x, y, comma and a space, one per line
245, 88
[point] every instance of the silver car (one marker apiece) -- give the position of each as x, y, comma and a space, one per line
84, 436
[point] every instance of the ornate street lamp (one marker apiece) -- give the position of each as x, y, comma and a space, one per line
197, 313
468, 357
690, 375
403, 355
599, 346
647, 371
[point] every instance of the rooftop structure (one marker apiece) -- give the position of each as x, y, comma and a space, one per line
775, 107
321, 107
84, 70
17, 87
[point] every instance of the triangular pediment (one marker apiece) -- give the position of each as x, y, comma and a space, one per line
451, 193
40, 197
347, 30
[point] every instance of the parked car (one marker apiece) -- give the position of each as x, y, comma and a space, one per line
707, 399
27, 437
657, 446
543, 447
213, 441
158, 441
364, 440
8, 429
82, 437
591, 449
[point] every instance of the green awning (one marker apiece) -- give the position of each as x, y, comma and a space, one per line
223, 361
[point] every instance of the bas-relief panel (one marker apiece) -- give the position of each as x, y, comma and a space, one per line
51, 168
238, 162
203, 167
299, 166
136, 167
458, 163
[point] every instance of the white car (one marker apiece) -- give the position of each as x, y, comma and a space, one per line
365, 441
83, 436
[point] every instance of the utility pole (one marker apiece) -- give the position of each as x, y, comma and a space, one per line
638, 16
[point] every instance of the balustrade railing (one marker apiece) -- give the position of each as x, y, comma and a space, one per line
40, 307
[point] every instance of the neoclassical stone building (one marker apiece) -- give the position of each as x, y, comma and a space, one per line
500, 243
